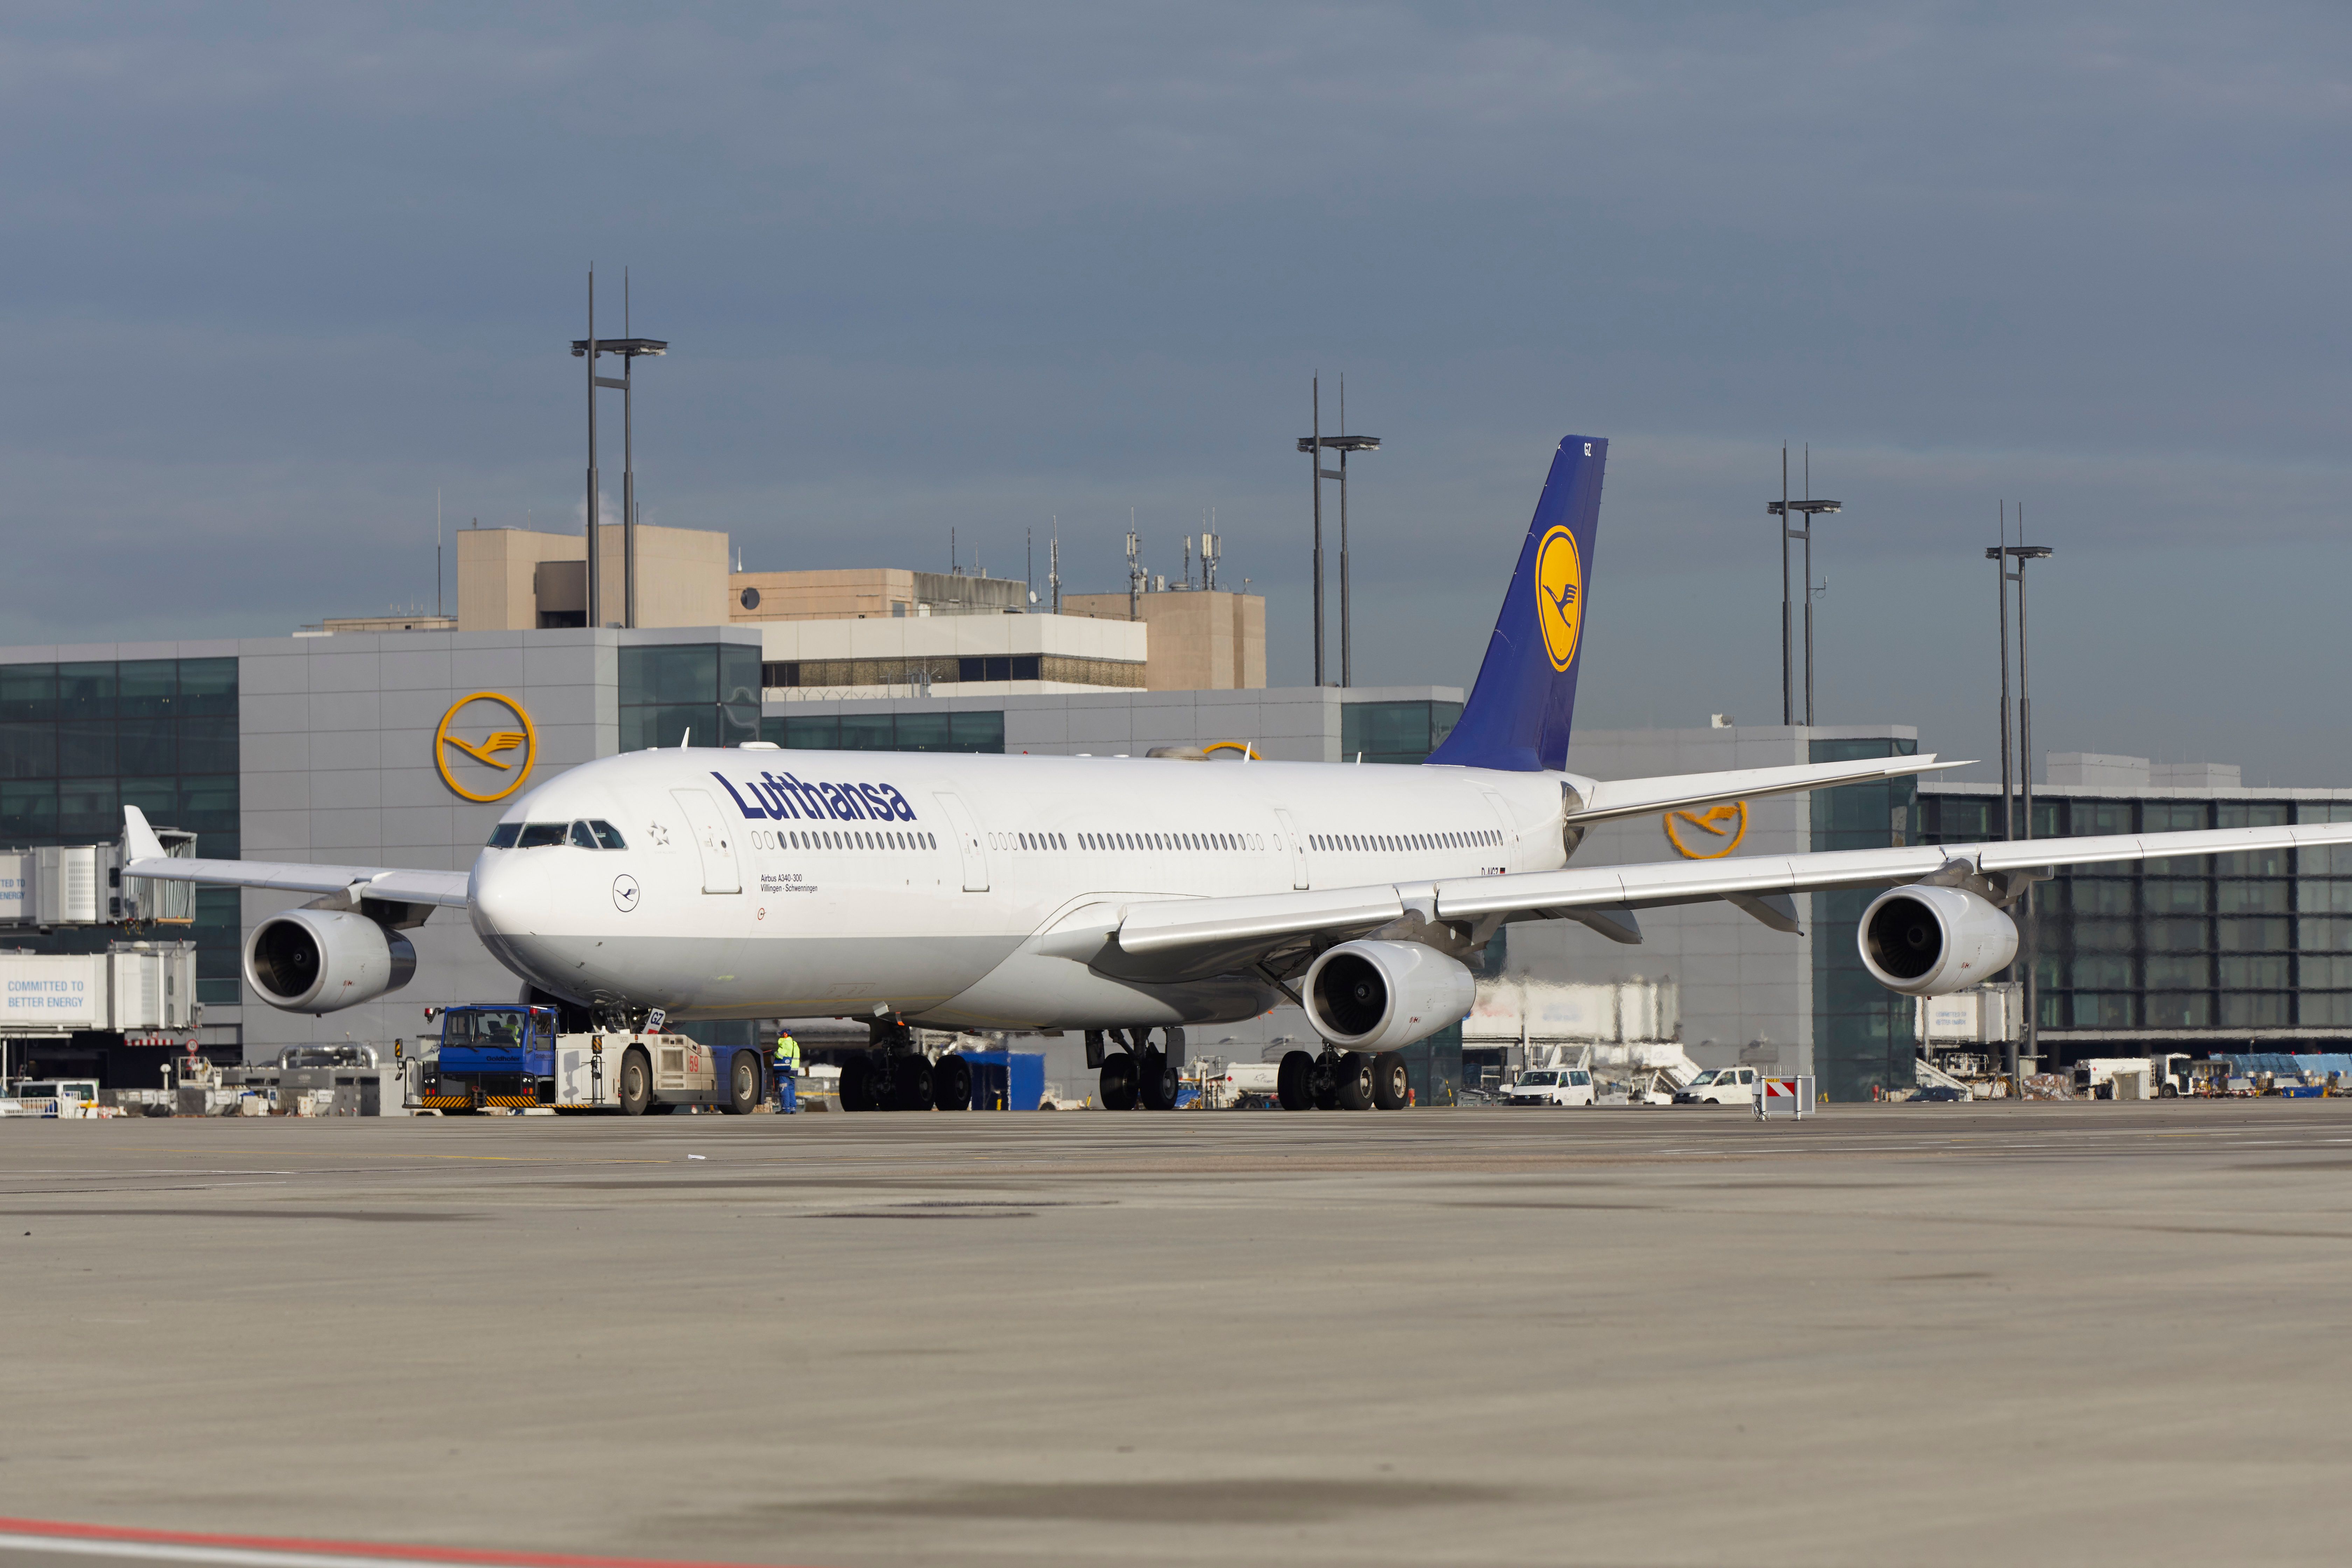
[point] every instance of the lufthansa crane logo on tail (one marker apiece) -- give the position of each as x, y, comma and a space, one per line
1559, 595
508, 752
1714, 832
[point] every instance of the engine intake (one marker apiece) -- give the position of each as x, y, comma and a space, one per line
1924, 941
1379, 996
322, 961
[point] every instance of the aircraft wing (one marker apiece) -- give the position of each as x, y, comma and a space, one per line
389, 884
1188, 938
1613, 798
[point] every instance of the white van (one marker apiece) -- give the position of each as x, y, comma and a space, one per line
1719, 1086
1551, 1086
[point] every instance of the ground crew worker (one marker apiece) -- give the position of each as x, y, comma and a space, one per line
788, 1068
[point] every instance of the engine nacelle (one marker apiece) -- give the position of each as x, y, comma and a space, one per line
1924, 941
1379, 996
319, 960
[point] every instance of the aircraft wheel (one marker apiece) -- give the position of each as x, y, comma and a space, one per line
913, 1079
1156, 1081
637, 1082
1392, 1084
1355, 1088
1294, 1081
951, 1083
1119, 1085
743, 1084
857, 1083
1326, 1080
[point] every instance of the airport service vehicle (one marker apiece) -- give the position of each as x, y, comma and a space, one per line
511, 1058
2115, 1077
1128, 896
1719, 1086
1551, 1085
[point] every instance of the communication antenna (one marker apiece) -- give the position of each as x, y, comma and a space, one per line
1029, 551
1187, 559
1134, 572
436, 550
1053, 566
1210, 546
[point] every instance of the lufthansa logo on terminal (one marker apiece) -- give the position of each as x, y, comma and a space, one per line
499, 761
1714, 833
1559, 593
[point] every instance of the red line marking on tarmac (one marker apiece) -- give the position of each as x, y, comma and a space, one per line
59, 1530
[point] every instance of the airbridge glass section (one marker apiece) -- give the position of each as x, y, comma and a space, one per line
975, 732
1396, 731
80, 741
2224, 942
1862, 1032
707, 693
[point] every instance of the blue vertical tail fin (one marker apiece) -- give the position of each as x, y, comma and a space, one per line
1519, 713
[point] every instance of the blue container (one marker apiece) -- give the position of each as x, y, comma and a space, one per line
991, 1072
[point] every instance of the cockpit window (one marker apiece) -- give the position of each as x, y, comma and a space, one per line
608, 836
535, 833
581, 836
503, 835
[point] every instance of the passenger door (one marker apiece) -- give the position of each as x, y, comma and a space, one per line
712, 839
1298, 848
968, 843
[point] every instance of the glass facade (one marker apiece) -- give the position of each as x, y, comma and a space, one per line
2226, 941
1394, 732
709, 691
78, 741
931, 731
1863, 1034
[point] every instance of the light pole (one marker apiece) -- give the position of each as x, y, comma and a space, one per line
1809, 508
1315, 446
630, 350
2017, 811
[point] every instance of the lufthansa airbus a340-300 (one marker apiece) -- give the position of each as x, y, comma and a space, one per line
1121, 897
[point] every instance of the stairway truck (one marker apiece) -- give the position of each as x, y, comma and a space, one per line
511, 1058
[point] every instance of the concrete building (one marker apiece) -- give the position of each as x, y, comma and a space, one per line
512, 579
1202, 638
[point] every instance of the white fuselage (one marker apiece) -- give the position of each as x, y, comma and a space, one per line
773, 883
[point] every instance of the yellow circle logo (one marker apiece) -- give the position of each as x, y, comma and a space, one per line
1715, 832
1560, 594
495, 750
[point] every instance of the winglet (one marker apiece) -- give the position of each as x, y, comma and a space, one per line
139, 840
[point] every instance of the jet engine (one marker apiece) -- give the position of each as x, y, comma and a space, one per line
318, 961
1379, 996
1924, 941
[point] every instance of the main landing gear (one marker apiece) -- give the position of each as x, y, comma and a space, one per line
1134, 1072
894, 1075
1342, 1080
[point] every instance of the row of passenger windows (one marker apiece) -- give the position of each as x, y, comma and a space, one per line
536, 835
1391, 842
1114, 842
762, 839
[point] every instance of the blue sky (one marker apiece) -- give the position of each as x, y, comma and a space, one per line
280, 273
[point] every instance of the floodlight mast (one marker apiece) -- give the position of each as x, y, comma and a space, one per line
1808, 509
1315, 446
2017, 808
630, 351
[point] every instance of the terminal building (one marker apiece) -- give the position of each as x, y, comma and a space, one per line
400, 742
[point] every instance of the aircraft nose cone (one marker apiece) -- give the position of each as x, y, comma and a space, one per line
504, 898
